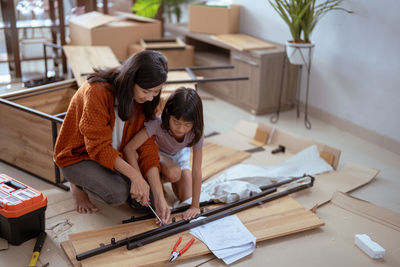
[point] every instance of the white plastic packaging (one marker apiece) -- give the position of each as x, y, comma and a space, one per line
371, 248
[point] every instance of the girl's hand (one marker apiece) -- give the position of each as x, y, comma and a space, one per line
191, 213
140, 190
162, 209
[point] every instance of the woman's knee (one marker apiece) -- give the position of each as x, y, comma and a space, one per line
116, 196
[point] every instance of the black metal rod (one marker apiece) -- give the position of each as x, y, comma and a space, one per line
216, 216
193, 68
165, 48
179, 226
220, 79
122, 242
208, 202
30, 94
203, 68
32, 111
61, 115
191, 73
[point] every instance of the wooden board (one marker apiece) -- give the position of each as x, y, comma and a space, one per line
26, 141
84, 58
217, 158
52, 102
295, 144
242, 41
162, 43
277, 218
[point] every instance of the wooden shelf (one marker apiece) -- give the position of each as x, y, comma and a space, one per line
264, 67
4, 58
32, 24
11, 27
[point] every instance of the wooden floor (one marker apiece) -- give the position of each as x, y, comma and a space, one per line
62, 220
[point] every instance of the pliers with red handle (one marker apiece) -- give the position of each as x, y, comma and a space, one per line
175, 254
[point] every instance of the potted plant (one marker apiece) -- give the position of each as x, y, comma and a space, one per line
155, 8
301, 16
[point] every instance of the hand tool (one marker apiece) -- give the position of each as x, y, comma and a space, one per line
155, 214
167, 230
38, 247
279, 149
175, 254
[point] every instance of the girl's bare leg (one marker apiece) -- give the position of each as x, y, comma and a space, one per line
183, 187
169, 170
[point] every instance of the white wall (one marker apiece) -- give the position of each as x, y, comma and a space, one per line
356, 65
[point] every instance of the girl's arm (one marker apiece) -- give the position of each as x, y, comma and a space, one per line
133, 145
196, 185
196, 176
162, 209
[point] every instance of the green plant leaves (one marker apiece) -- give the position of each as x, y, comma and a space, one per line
301, 16
149, 8
146, 8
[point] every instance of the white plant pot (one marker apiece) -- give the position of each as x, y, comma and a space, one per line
299, 54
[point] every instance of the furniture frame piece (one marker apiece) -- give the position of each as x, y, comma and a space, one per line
264, 67
29, 130
166, 230
162, 44
11, 27
42, 110
307, 63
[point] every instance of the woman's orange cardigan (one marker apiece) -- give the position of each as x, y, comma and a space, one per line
86, 133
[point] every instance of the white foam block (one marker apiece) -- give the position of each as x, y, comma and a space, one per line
371, 248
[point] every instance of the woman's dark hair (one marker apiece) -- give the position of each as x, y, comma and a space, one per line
148, 69
185, 104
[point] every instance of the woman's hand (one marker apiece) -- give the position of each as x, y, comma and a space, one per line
162, 209
140, 190
191, 213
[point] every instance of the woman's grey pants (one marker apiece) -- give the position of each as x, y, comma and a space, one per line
110, 186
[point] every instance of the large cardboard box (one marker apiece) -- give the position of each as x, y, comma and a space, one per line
117, 32
177, 57
214, 19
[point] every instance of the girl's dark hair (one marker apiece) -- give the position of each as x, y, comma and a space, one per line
185, 103
147, 69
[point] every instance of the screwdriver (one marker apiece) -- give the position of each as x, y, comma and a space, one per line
38, 248
155, 214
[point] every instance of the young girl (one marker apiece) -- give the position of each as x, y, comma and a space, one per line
179, 128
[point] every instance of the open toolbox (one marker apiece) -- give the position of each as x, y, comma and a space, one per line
22, 210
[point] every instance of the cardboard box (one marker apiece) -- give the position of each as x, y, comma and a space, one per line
33, 48
177, 57
214, 19
95, 28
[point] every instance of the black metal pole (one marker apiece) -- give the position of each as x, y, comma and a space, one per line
115, 244
205, 80
208, 202
215, 216
182, 225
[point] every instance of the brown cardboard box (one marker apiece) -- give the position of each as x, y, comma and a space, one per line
214, 19
95, 28
176, 57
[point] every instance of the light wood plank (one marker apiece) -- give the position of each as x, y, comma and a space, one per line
28, 148
52, 103
70, 253
217, 158
274, 219
242, 41
83, 59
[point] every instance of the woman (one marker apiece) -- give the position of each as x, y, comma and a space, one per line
104, 114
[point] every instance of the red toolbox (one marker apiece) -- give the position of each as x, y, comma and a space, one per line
22, 210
